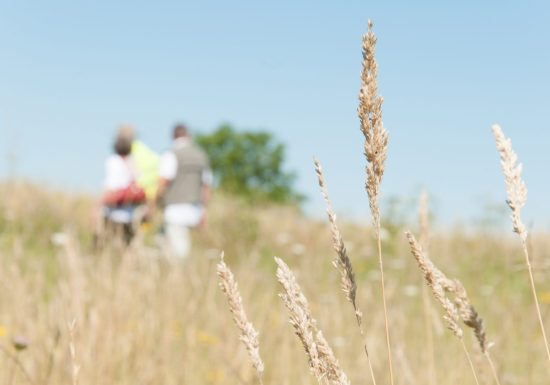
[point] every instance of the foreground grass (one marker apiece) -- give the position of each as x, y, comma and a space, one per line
142, 320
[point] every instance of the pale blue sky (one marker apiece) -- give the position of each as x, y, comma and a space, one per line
70, 71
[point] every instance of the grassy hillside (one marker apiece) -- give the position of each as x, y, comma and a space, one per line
143, 320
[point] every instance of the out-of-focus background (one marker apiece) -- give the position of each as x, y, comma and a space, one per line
264, 87
73, 71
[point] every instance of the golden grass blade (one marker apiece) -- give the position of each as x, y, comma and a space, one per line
343, 263
370, 117
322, 362
440, 285
472, 319
375, 148
249, 335
517, 196
424, 224
469, 360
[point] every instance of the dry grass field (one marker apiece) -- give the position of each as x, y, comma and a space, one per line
72, 315
141, 320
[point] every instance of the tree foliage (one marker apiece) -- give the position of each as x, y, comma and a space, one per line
249, 164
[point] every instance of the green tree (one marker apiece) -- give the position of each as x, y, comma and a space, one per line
249, 164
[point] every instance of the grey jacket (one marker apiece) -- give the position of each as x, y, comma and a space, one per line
186, 187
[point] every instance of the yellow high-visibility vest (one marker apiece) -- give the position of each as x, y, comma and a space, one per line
147, 164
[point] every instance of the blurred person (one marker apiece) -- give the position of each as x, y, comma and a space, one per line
121, 195
184, 188
146, 161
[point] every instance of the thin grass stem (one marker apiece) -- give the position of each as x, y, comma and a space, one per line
535, 297
492, 366
469, 360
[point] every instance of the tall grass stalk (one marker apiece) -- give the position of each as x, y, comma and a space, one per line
469, 360
375, 149
249, 335
343, 263
467, 312
440, 285
322, 361
424, 224
472, 319
517, 197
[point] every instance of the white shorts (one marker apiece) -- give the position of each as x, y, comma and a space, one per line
184, 214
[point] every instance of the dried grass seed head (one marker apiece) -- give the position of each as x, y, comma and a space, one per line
321, 359
342, 262
439, 284
515, 187
249, 335
370, 117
